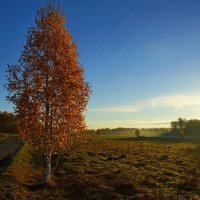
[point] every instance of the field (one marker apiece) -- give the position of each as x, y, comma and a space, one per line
110, 168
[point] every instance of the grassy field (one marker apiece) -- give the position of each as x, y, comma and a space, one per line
110, 168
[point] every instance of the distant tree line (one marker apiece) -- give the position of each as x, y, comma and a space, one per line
7, 122
183, 127
116, 131
129, 131
137, 133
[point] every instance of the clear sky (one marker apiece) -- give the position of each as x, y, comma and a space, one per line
142, 57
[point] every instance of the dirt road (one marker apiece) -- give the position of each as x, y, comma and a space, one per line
9, 146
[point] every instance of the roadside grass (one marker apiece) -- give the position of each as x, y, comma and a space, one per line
5, 136
106, 168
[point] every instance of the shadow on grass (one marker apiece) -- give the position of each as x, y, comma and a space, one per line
4, 163
35, 186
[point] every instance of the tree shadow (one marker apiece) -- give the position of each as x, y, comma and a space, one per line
34, 186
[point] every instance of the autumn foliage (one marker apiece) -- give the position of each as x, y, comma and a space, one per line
47, 85
7, 122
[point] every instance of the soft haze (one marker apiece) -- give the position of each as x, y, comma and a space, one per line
142, 57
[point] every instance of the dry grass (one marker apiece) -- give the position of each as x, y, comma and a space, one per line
106, 168
4, 136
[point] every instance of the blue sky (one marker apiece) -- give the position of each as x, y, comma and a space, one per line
142, 57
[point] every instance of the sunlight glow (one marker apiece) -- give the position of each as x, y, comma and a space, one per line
175, 101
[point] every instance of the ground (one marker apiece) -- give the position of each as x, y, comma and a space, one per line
9, 146
110, 168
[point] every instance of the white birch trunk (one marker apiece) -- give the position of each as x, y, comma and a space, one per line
47, 173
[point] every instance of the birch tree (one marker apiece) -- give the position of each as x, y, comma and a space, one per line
47, 87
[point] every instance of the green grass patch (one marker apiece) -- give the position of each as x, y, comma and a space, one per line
109, 169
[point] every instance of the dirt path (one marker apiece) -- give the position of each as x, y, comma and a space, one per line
9, 146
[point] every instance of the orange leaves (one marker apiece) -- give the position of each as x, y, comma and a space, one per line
47, 86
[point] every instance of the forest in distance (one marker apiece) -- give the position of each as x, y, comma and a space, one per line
178, 128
